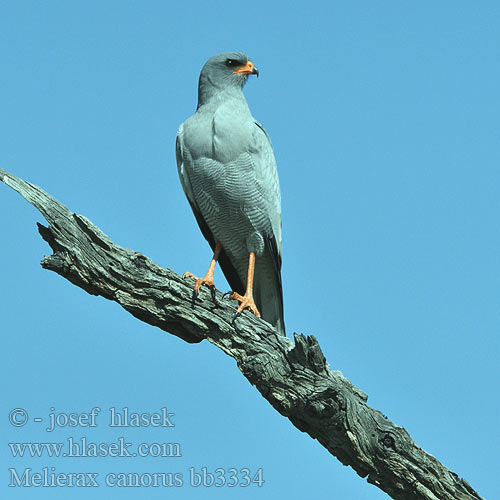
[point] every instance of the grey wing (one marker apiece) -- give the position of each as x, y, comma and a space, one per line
188, 190
183, 175
269, 298
267, 176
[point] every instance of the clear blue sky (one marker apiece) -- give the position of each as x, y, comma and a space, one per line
385, 123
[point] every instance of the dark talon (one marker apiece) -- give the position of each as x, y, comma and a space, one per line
194, 297
226, 294
214, 298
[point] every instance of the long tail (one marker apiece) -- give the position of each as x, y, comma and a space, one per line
268, 293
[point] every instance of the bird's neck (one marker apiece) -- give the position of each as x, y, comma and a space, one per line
209, 95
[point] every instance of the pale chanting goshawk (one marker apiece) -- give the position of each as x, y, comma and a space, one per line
228, 172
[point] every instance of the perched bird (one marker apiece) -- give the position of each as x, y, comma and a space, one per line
228, 172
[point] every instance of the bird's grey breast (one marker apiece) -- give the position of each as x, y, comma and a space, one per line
220, 132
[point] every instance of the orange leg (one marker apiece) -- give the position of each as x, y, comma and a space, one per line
208, 279
247, 299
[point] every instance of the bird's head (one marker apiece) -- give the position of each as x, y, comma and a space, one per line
229, 70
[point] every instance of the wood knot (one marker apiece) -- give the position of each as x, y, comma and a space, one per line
388, 442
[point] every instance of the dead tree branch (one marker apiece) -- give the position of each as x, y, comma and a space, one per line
294, 378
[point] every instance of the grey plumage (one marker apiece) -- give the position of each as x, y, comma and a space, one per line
228, 172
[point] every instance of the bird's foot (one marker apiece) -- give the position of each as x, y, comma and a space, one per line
207, 280
246, 302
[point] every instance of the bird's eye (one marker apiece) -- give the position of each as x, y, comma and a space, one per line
231, 63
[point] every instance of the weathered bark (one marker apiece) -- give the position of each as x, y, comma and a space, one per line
294, 378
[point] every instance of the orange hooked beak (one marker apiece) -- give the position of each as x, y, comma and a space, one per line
247, 69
